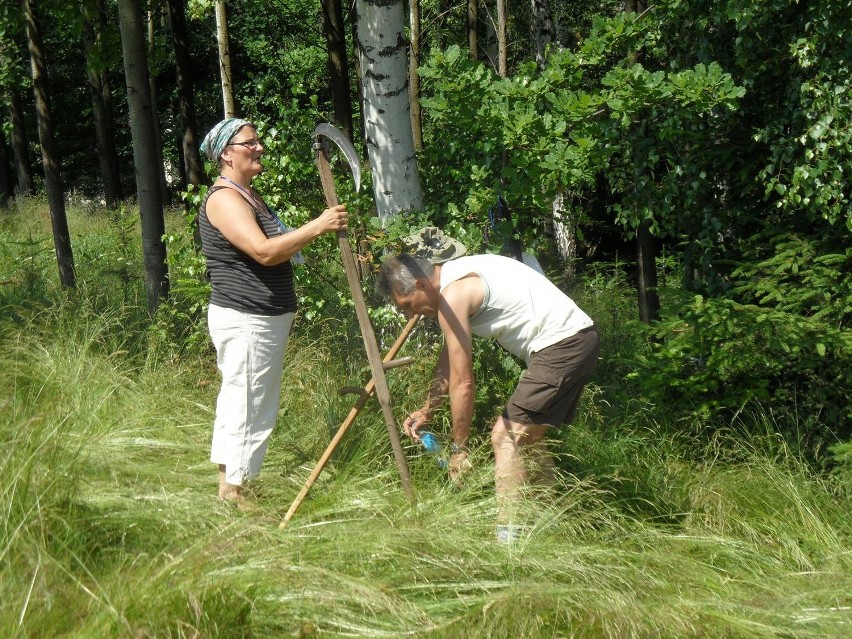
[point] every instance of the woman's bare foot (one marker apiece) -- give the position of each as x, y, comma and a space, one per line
232, 493
229, 492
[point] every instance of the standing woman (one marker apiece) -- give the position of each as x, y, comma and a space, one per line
248, 252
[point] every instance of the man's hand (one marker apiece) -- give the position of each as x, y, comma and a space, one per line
459, 466
414, 422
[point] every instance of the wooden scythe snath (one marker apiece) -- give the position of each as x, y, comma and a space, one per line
377, 366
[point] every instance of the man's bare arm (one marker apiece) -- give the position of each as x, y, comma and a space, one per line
457, 303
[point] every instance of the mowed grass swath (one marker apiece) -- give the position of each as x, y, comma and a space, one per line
111, 526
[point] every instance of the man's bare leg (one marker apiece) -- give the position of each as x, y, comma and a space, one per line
228, 492
508, 439
542, 468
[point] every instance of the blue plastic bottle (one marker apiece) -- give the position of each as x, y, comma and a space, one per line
433, 447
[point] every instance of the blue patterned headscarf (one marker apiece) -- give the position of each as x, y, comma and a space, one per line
219, 136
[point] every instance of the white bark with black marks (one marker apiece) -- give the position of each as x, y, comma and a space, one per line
383, 54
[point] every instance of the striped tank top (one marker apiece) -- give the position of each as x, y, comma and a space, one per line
240, 282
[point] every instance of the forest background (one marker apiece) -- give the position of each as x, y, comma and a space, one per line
693, 156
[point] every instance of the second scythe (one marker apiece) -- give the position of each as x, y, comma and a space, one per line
373, 355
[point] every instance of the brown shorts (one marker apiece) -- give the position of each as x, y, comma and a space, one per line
549, 390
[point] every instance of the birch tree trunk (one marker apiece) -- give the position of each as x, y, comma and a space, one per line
543, 34
49, 158
564, 222
382, 49
565, 234
225, 59
148, 172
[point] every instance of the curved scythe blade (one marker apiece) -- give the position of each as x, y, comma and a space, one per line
336, 135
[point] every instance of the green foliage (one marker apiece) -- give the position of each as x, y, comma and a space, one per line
278, 51
24, 267
181, 321
13, 70
842, 454
463, 173
657, 144
196, 9
789, 145
808, 170
715, 356
799, 274
679, 117
584, 115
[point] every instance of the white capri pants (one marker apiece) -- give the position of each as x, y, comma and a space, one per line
250, 356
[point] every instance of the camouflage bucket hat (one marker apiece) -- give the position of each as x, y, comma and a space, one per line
433, 244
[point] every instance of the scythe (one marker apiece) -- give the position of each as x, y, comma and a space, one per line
377, 367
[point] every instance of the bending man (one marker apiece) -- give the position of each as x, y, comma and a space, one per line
501, 298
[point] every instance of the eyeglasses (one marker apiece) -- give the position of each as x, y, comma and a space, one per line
249, 144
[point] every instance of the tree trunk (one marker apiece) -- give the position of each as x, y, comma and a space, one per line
225, 59
543, 34
472, 33
155, 107
646, 246
148, 171
193, 166
6, 186
646, 267
488, 45
635, 6
413, 77
20, 147
338, 64
564, 225
565, 234
359, 90
445, 7
49, 159
382, 48
502, 46
101, 95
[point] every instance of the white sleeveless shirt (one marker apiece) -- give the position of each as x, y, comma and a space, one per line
523, 310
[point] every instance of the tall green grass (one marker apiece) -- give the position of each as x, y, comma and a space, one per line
111, 526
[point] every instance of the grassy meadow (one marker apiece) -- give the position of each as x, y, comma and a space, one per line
111, 526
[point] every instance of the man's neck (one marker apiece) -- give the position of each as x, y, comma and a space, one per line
436, 277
